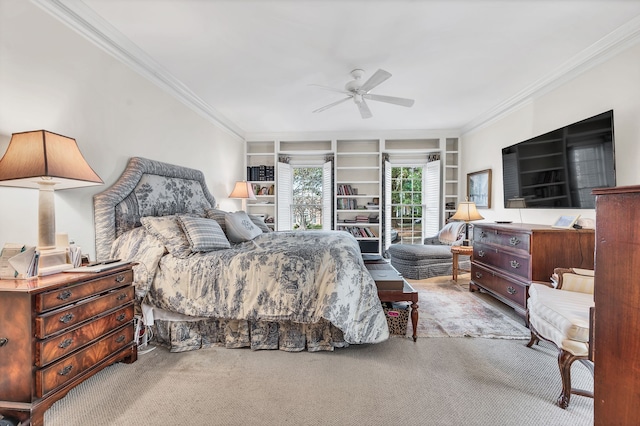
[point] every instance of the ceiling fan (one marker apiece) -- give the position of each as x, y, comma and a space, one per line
359, 91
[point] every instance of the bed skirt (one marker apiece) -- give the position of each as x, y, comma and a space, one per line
181, 336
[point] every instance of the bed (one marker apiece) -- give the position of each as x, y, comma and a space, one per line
206, 278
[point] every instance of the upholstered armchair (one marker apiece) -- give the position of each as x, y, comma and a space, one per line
560, 315
433, 258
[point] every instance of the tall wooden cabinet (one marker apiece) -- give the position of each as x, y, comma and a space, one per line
617, 307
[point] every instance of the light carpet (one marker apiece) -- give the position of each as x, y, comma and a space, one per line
447, 308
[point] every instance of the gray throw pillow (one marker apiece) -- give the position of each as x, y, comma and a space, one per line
257, 220
203, 234
240, 227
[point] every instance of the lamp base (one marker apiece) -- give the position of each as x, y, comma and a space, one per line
53, 261
465, 243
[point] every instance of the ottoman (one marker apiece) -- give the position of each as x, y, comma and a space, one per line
417, 261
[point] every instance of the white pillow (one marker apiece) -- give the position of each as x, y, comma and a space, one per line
240, 227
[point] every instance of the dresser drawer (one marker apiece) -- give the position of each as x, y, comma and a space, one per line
514, 240
66, 295
509, 289
50, 378
509, 262
54, 348
65, 318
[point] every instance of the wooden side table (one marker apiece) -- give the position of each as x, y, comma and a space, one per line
457, 251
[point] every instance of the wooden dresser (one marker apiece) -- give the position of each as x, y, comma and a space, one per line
59, 330
616, 338
506, 258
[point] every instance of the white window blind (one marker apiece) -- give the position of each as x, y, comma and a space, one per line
431, 198
284, 196
387, 205
327, 195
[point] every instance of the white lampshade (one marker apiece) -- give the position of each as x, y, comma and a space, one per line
467, 212
45, 161
243, 190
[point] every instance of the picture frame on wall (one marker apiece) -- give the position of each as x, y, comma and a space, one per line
479, 188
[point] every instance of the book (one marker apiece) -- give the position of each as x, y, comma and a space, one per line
18, 261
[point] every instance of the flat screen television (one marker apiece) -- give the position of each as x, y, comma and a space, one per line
560, 168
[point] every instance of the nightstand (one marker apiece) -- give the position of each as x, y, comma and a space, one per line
59, 330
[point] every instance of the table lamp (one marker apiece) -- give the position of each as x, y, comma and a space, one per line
243, 191
466, 212
46, 161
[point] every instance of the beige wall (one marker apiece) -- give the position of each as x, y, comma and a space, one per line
52, 78
614, 84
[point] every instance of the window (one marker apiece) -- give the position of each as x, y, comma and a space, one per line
304, 196
412, 201
306, 209
406, 204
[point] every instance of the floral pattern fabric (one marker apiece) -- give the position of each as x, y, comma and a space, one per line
295, 277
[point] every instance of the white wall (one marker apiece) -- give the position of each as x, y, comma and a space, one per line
51, 78
614, 84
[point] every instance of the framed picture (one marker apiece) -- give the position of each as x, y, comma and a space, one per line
565, 222
479, 188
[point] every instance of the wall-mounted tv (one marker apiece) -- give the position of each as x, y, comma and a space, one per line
560, 168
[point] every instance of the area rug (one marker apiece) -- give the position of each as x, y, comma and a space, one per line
446, 308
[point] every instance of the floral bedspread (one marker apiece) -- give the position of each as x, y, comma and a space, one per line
301, 277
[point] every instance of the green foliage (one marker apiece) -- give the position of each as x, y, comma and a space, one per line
307, 197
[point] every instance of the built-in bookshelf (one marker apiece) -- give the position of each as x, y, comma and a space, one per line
261, 162
357, 178
358, 189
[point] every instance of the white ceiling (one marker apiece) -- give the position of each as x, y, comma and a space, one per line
250, 63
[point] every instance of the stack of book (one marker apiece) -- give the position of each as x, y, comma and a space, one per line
260, 173
18, 261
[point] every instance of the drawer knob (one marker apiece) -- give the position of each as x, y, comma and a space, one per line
120, 278
65, 343
481, 253
120, 338
121, 317
514, 241
64, 295
515, 264
3, 341
66, 318
483, 234
511, 290
478, 275
121, 296
66, 370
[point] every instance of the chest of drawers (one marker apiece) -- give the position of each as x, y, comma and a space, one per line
506, 258
57, 331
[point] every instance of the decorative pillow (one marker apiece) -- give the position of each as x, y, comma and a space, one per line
203, 234
137, 245
240, 227
257, 220
169, 232
218, 216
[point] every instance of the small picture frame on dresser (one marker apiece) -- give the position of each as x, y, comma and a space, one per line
565, 222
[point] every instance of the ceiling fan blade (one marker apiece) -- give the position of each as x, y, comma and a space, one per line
377, 78
331, 89
390, 99
332, 104
365, 112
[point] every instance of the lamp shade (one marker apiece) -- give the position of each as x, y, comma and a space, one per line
37, 156
48, 162
516, 203
243, 190
467, 212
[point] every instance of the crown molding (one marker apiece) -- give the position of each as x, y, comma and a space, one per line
607, 47
79, 17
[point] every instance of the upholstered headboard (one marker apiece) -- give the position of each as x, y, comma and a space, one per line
146, 188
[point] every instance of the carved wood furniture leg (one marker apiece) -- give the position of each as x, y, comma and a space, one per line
565, 359
455, 266
414, 320
533, 341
